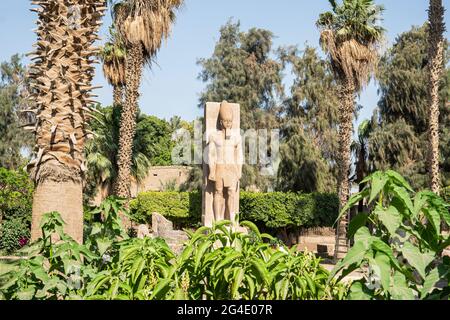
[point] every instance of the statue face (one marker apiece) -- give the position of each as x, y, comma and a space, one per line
226, 122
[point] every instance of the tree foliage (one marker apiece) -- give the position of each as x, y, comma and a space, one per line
310, 125
399, 137
242, 70
152, 145
13, 94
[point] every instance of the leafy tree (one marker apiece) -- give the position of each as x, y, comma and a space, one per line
399, 137
13, 93
350, 34
241, 70
152, 145
310, 125
142, 25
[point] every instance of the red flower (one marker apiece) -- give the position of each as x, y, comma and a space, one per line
23, 242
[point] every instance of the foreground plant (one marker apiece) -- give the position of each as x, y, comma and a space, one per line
216, 263
399, 244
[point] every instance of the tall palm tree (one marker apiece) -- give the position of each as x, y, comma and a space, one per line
101, 152
360, 148
113, 55
61, 76
436, 67
350, 35
142, 25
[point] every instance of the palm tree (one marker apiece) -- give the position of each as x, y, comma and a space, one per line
141, 25
113, 55
350, 35
101, 152
61, 76
360, 149
436, 67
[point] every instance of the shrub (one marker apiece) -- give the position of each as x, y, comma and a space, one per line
14, 234
399, 244
287, 210
183, 208
16, 194
268, 210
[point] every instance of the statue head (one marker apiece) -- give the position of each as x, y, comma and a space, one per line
226, 117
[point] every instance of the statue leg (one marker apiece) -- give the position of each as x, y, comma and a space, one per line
218, 201
229, 211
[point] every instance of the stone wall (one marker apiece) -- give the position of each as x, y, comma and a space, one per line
158, 179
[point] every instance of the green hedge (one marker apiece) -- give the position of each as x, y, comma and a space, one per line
268, 210
16, 197
183, 208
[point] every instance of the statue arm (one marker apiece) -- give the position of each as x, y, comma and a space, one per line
240, 157
212, 159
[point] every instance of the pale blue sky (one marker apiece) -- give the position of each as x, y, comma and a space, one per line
171, 87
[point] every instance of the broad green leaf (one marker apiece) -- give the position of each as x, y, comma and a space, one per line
378, 182
399, 289
261, 271
252, 227
363, 235
354, 199
390, 218
358, 291
399, 179
354, 256
420, 200
403, 195
26, 294
238, 276
430, 282
417, 259
161, 289
200, 252
383, 263
446, 215
380, 246
284, 289
433, 216
356, 223
228, 259
250, 285
103, 245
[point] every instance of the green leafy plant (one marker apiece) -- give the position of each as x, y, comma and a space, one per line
398, 245
221, 262
54, 267
14, 234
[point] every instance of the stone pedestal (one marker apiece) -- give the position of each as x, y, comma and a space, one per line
211, 125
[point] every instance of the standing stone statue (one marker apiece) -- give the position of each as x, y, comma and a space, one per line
223, 168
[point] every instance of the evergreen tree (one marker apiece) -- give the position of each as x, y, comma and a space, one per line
399, 138
13, 93
242, 70
310, 131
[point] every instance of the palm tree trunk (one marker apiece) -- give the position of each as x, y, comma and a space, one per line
65, 197
127, 130
436, 56
61, 79
118, 95
345, 140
